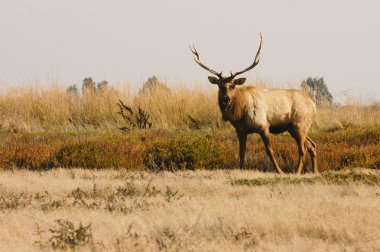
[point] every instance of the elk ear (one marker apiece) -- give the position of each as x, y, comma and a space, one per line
213, 80
239, 81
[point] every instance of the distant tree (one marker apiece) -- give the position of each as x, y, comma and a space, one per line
102, 86
89, 86
73, 90
153, 84
317, 89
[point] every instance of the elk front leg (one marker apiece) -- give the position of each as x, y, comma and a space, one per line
268, 147
242, 148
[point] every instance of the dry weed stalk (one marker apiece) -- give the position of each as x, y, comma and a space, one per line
139, 120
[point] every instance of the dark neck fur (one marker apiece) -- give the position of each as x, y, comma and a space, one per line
235, 110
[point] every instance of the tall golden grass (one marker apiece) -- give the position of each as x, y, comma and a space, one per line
52, 109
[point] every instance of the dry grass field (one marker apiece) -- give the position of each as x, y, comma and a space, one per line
223, 210
71, 180
53, 109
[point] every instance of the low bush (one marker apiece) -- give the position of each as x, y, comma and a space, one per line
170, 150
185, 153
35, 152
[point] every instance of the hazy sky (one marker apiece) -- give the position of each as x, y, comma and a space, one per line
129, 41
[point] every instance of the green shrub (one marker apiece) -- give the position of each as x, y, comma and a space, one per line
34, 157
185, 153
168, 150
100, 153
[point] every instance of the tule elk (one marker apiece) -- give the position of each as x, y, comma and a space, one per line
264, 111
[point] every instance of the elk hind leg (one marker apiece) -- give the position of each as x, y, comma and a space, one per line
311, 147
311, 142
268, 147
300, 138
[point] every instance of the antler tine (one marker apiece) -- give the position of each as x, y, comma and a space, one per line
255, 62
197, 59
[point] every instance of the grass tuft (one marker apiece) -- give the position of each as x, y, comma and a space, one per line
329, 178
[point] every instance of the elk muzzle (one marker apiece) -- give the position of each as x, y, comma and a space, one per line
226, 100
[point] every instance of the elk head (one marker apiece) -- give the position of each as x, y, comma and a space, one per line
226, 84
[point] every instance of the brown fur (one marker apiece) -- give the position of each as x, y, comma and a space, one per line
265, 111
236, 109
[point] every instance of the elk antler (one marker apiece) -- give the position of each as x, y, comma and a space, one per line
257, 59
196, 58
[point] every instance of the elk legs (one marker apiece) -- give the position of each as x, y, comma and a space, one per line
242, 147
268, 147
301, 152
305, 143
311, 148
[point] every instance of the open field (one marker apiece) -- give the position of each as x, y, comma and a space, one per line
70, 179
189, 126
189, 211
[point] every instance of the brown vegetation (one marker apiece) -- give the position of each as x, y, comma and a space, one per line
47, 128
157, 150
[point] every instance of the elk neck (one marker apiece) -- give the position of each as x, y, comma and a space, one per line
236, 109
